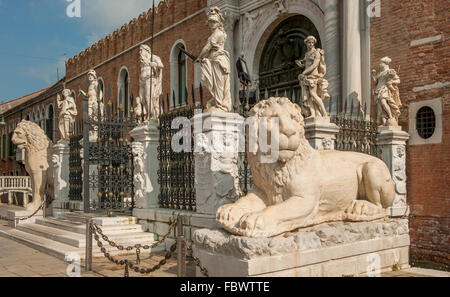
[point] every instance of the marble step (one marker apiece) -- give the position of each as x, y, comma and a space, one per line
101, 221
79, 240
81, 228
62, 251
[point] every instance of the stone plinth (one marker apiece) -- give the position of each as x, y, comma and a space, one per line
147, 135
331, 250
321, 133
60, 162
392, 141
216, 153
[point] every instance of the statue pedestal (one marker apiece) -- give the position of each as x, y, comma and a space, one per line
60, 160
326, 250
216, 154
147, 135
321, 133
392, 142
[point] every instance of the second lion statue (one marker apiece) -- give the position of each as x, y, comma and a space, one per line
38, 147
305, 187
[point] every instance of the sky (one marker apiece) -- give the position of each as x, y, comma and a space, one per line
37, 36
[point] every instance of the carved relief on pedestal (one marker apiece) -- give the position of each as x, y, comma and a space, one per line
141, 180
399, 174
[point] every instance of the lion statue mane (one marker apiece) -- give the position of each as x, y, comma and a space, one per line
305, 187
38, 147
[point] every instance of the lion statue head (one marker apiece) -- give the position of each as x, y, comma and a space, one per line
292, 144
30, 137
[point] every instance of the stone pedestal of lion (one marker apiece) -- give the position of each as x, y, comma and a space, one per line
311, 213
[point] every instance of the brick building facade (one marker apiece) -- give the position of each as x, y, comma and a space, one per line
412, 33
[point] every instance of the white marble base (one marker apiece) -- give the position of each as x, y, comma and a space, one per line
16, 212
329, 250
321, 133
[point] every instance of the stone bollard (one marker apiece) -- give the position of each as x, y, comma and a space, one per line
392, 142
321, 133
216, 154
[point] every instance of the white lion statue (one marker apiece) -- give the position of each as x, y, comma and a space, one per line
305, 187
38, 147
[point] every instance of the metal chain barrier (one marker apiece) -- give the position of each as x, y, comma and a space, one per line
197, 262
127, 263
98, 233
27, 217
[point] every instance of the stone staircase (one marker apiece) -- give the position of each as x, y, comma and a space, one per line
66, 234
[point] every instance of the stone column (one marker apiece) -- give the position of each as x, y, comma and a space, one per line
352, 90
148, 135
60, 163
392, 141
321, 133
216, 153
332, 49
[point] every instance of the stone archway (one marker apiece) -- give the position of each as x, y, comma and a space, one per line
277, 68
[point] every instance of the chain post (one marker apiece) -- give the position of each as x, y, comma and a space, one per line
181, 248
88, 256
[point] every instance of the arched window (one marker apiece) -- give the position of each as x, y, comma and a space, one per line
123, 87
49, 124
178, 74
182, 77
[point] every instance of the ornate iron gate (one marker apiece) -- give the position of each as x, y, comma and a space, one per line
176, 174
108, 161
75, 166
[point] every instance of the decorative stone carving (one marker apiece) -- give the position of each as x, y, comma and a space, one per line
386, 93
216, 155
215, 64
142, 183
281, 6
30, 137
321, 133
60, 162
328, 250
312, 80
316, 237
145, 152
93, 97
392, 142
251, 19
138, 110
150, 83
305, 187
67, 113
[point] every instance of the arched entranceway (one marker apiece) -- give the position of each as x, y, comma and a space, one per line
277, 70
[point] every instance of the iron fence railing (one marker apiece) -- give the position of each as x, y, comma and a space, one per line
176, 174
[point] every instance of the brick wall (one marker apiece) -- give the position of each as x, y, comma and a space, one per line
428, 166
107, 56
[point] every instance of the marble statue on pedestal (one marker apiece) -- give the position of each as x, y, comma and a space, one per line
38, 147
150, 83
312, 80
387, 94
67, 113
304, 187
93, 94
215, 64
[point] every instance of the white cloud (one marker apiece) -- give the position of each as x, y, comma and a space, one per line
102, 17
